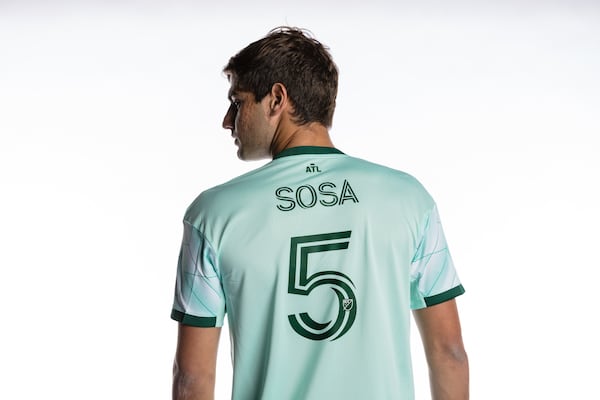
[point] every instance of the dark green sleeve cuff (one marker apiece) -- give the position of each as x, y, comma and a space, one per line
445, 296
200, 322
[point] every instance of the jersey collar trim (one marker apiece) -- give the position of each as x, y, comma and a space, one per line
293, 151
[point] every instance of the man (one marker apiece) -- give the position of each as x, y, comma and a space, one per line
317, 257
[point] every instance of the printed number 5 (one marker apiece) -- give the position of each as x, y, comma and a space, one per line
301, 283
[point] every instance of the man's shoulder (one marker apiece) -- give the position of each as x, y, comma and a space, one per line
236, 184
381, 171
224, 194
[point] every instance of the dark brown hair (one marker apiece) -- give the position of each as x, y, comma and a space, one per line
292, 57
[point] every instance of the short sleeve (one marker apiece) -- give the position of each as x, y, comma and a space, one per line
199, 299
433, 277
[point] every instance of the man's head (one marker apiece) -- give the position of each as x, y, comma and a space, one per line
292, 58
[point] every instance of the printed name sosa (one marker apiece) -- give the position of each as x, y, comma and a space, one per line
306, 196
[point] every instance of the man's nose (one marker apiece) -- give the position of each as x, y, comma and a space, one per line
229, 120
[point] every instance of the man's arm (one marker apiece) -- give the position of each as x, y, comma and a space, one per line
440, 330
195, 363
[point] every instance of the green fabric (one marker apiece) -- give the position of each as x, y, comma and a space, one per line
317, 259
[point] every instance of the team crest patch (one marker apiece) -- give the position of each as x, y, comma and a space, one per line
347, 304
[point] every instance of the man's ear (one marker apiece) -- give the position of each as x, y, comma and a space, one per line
279, 99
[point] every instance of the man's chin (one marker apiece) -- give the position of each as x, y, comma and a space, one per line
249, 156
242, 155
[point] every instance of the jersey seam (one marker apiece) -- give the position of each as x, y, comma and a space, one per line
422, 233
212, 248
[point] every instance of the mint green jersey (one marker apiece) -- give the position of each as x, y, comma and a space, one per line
317, 258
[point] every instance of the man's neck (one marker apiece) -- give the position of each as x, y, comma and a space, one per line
312, 134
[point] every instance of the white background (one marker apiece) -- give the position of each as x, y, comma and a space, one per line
110, 117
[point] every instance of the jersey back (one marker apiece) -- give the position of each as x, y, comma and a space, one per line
317, 259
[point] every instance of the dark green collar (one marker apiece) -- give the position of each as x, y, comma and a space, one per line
293, 151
